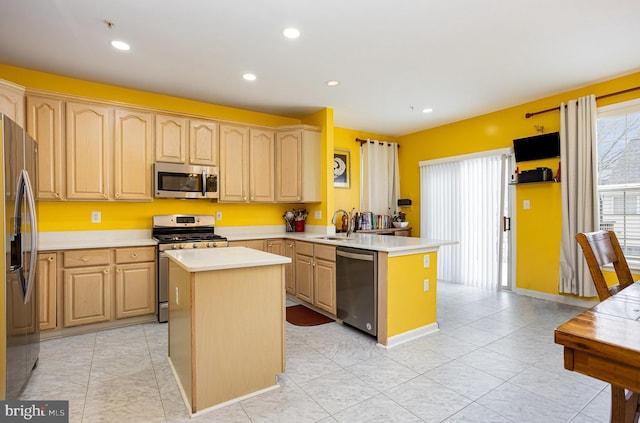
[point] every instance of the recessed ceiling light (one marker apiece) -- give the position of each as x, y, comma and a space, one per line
292, 33
332, 83
427, 110
249, 77
120, 45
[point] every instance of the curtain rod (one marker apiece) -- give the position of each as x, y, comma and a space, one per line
361, 141
528, 115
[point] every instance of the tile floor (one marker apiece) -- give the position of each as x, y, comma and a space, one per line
493, 360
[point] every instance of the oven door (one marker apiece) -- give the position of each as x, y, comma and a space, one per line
184, 181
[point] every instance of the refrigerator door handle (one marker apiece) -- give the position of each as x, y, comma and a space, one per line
33, 222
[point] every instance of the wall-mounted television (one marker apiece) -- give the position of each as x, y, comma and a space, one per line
543, 146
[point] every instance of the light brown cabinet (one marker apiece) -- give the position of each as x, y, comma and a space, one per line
256, 244
89, 131
285, 247
87, 286
100, 285
12, 101
315, 275
246, 164
171, 138
47, 290
135, 282
203, 142
133, 155
297, 165
45, 124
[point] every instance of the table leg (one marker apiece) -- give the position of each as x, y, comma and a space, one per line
624, 405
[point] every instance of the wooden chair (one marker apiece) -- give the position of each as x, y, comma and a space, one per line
600, 249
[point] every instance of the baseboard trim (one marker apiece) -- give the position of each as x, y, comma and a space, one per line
564, 299
394, 341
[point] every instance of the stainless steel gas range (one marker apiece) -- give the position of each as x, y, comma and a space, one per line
180, 231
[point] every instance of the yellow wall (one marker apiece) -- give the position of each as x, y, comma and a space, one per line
538, 229
70, 216
409, 307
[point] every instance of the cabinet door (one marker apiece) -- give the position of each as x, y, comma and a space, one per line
44, 124
133, 155
135, 289
171, 139
47, 290
234, 164
87, 295
89, 139
325, 285
289, 166
203, 143
261, 166
304, 278
290, 269
12, 101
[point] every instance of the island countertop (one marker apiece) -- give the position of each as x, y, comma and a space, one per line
206, 259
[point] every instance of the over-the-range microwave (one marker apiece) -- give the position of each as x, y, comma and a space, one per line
185, 181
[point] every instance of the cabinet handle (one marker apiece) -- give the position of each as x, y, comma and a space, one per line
51, 258
134, 255
117, 195
85, 259
269, 244
57, 195
106, 271
104, 195
118, 270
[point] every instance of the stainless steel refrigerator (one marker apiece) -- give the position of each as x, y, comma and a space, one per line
19, 166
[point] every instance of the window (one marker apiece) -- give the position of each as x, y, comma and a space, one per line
618, 129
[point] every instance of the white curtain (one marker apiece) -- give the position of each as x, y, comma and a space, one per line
380, 179
579, 191
463, 201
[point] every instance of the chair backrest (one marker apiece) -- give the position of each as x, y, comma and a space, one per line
600, 249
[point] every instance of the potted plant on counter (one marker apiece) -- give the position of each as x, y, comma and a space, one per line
400, 219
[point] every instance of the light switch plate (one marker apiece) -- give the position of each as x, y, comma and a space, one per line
427, 261
426, 285
218, 215
96, 217
317, 214
526, 204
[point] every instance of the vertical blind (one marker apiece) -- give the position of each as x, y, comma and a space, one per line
463, 201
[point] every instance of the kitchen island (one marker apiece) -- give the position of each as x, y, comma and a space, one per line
226, 323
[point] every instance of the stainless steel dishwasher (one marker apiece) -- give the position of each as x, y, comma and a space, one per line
357, 288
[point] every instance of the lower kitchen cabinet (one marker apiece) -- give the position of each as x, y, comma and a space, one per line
256, 244
315, 275
87, 295
47, 290
285, 247
135, 282
97, 286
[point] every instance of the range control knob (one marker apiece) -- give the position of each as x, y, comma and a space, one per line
195, 245
174, 246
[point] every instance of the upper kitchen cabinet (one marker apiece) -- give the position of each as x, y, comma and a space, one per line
171, 138
45, 125
133, 155
203, 142
12, 101
261, 166
89, 133
233, 182
298, 165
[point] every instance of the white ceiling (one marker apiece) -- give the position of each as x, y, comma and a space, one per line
393, 58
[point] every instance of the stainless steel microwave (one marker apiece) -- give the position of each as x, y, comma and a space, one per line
185, 181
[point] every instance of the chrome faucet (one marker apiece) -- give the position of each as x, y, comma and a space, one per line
349, 220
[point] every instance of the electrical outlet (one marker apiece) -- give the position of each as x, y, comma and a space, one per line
317, 214
427, 261
526, 204
96, 217
426, 285
218, 215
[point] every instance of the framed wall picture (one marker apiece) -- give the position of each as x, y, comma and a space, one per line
341, 168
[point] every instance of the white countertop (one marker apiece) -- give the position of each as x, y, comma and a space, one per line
74, 240
202, 260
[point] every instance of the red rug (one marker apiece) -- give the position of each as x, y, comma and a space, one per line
300, 315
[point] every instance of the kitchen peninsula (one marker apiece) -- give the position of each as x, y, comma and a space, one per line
226, 323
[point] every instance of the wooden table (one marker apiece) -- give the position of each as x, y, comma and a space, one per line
604, 342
